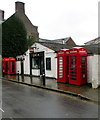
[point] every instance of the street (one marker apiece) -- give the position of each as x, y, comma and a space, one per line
21, 101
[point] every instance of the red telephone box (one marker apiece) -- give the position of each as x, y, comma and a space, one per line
78, 66
9, 65
12, 65
5, 65
63, 65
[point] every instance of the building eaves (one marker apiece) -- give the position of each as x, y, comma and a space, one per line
62, 39
55, 46
56, 40
93, 48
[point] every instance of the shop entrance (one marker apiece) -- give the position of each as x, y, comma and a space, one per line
37, 62
42, 70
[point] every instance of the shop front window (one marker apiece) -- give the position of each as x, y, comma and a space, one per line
36, 63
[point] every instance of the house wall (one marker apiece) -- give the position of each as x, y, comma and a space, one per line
18, 67
70, 42
48, 53
93, 70
53, 71
36, 72
27, 63
96, 71
89, 69
32, 31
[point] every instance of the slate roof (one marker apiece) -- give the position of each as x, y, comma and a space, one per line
93, 48
61, 41
55, 46
94, 41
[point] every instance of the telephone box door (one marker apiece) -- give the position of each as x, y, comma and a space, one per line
12, 65
78, 66
63, 65
5, 65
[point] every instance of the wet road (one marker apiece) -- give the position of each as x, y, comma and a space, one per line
20, 101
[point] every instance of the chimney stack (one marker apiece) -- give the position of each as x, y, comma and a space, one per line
19, 7
1, 15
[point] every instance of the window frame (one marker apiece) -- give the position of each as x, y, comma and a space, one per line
33, 67
48, 67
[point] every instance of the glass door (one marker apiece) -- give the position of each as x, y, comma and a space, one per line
73, 67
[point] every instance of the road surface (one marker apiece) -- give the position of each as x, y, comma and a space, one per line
21, 101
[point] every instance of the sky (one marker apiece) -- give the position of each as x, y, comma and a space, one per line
57, 19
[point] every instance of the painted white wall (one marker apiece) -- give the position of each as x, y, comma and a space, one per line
18, 67
89, 69
36, 72
93, 70
53, 71
40, 48
27, 63
96, 71
48, 53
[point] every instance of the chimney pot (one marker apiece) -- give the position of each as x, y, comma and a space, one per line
19, 7
1, 15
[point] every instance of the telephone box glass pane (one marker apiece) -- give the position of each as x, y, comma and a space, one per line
6, 67
60, 68
13, 67
60, 62
83, 66
73, 67
67, 64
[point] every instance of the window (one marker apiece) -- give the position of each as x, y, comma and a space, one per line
83, 59
60, 67
36, 63
48, 63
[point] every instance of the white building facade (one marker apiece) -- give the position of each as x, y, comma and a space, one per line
31, 66
93, 70
33, 59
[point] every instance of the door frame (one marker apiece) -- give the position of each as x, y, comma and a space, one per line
41, 57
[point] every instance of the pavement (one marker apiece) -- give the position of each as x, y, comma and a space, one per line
20, 102
85, 92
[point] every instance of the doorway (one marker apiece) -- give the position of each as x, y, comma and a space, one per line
37, 62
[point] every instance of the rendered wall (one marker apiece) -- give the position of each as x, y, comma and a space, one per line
47, 53
96, 71
89, 69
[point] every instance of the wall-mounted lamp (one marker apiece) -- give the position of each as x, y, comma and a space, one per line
32, 49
